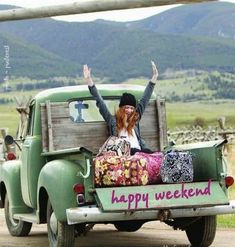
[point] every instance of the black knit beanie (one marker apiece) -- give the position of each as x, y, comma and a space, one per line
127, 99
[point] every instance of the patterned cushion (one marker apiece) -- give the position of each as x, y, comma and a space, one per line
120, 170
154, 163
115, 146
177, 167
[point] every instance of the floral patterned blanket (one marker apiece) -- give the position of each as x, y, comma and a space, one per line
142, 168
138, 169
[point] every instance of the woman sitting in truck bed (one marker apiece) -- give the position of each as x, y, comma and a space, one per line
125, 122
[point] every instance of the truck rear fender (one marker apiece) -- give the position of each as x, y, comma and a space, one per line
10, 184
56, 181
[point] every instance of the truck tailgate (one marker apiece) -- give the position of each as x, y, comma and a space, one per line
197, 194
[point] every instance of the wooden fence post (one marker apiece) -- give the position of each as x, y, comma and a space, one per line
5, 148
162, 123
221, 121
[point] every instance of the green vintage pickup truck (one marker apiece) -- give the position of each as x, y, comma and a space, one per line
52, 180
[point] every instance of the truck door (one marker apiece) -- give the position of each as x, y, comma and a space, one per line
32, 161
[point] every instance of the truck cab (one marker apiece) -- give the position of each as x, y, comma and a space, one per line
52, 180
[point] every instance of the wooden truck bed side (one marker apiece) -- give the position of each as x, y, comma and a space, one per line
60, 132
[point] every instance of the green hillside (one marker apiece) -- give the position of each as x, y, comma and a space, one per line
27, 59
44, 48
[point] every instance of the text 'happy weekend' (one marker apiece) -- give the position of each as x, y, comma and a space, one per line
137, 200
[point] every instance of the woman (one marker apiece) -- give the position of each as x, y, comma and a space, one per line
125, 122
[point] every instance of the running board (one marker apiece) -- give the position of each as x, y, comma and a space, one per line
93, 214
32, 218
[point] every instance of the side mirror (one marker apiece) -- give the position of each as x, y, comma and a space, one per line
8, 140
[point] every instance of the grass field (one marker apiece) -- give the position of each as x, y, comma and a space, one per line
178, 114
184, 114
9, 118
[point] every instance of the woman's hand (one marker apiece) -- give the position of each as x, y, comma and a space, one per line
87, 75
155, 72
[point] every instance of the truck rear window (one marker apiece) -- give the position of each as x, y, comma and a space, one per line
87, 111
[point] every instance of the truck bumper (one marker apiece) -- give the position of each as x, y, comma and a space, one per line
92, 214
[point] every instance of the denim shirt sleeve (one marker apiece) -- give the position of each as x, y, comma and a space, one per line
145, 98
105, 113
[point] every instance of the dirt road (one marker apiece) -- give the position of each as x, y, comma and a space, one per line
152, 234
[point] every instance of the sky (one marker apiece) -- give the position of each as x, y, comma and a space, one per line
118, 15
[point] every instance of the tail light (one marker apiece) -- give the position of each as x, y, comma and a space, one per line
11, 156
80, 191
229, 181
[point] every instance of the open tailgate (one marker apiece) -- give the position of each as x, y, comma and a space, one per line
197, 194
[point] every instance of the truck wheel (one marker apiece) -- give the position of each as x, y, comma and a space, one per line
201, 233
128, 226
16, 227
60, 234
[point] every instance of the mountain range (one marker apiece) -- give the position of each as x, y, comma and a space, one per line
215, 19
198, 36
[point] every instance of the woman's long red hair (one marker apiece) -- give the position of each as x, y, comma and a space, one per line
124, 122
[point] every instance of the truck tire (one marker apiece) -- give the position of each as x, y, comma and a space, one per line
16, 228
128, 226
60, 234
201, 233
